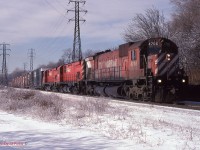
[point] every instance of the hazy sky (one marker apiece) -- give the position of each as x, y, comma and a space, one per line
43, 25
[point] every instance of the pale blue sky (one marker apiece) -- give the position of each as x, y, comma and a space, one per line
43, 25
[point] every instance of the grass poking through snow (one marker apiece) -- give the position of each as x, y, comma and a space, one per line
32, 103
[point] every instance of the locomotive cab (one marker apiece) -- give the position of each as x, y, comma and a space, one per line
158, 63
163, 64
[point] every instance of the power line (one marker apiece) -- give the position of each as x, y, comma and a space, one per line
47, 2
77, 52
4, 77
54, 31
59, 3
55, 26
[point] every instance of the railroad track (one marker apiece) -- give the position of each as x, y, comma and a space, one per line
176, 104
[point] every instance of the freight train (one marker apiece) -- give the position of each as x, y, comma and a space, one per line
142, 70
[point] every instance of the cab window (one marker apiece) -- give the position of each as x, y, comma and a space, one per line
133, 55
65, 69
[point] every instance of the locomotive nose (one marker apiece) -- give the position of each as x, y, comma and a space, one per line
167, 64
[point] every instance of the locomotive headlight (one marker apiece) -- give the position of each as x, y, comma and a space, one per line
183, 81
159, 81
168, 57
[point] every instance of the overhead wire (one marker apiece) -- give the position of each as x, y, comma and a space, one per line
55, 39
48, 45
59, 3
54, 30
48, 3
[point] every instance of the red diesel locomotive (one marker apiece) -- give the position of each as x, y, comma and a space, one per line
143, 70
65, 78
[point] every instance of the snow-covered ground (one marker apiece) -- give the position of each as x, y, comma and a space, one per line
25, 133
99, 123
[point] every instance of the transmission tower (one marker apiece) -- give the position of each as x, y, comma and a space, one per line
4, 77
31, 54
77, 52
24, 65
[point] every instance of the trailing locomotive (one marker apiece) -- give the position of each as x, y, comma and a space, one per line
143, 70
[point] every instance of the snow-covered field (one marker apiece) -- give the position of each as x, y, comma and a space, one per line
78, 122
25, 133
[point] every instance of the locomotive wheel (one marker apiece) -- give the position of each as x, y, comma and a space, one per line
83, 90
88, 90
130, 97
45, 88
64, 89
54, 89
159, 95
75, 90
170, 97
61, 89
140, 97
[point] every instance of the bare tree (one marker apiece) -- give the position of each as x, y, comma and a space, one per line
67, 56
148, 25
65, 59
89, 52
17, 72
186, 26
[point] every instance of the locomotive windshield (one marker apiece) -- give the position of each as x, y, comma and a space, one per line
158, 45
154, 47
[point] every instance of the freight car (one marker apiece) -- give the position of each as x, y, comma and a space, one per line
22, 81
143, 70
37, 78
31, 79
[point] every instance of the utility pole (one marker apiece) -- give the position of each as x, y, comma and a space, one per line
77, 52
31, 54
4, 77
